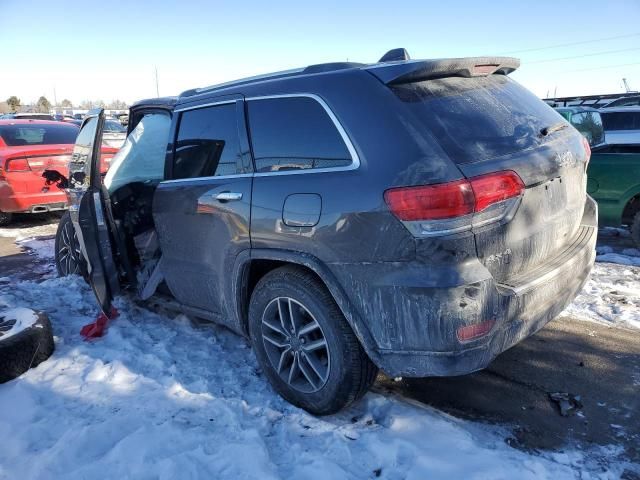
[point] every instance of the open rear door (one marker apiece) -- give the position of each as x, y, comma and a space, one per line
87, 199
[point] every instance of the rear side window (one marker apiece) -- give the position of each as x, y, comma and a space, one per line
476, 119
207, 143
294, 133
34, 134
621, 120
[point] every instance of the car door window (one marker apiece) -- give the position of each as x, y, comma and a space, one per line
294, 133
142, 156
621, 120
207, 143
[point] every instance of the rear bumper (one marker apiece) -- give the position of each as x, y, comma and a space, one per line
12, 201
414, 323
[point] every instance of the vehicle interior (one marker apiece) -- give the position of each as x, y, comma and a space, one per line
129, 185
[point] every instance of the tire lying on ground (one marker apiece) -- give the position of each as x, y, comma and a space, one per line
26, 341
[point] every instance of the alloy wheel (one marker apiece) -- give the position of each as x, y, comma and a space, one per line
295, 345
69, 254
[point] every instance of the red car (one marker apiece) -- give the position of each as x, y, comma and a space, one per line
27, 148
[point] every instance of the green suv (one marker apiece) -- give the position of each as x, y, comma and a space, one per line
614, 170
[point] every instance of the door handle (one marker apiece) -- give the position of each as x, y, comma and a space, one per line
228, 196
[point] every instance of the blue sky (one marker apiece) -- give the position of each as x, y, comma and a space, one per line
108, 49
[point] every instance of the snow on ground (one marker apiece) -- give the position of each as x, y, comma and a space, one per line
30, 226
15, 320
160, 397
612, 294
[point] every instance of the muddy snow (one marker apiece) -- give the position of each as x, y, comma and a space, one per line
162, 398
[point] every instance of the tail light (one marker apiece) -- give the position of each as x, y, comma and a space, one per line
587, 151
431, 202
454, 207
17, 165
475, 331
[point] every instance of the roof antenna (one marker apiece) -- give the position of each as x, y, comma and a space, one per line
395, 55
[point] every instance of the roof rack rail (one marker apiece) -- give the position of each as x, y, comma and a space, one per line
241, 81
331, 67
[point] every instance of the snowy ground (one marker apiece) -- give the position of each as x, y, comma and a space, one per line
161, 398
612, 294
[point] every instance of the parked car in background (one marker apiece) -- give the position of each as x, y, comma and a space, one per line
123, 119
27, 149
614, 182
27, 116
415, 216
587, 121
114, 134
621, 125
62, 118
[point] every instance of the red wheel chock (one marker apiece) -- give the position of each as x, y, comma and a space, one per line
98, 328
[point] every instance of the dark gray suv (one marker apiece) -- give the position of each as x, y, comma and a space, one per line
414, 216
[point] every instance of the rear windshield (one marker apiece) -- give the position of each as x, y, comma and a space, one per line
476, 119
33, 134
621, 120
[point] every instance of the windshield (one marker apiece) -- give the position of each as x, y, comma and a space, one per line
589, 124
478, 118
15, 135
112, 126
141, 158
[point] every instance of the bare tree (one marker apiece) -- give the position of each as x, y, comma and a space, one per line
43, 105
66, 103
117, 105
13, 102
89, 104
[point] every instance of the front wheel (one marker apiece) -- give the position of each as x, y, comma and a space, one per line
304, 345
69, 259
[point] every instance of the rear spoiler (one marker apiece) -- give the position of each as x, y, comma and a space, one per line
417, 70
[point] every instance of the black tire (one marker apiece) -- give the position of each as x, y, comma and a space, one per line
349, 371
635, 229
69, 259
25, 349
5, 218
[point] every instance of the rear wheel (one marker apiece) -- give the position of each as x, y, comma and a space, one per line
69, 259
304, 345
5, 218
635, 229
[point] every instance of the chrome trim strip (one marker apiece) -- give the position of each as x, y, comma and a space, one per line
203, 179
355, 159
204, 105
582, 251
